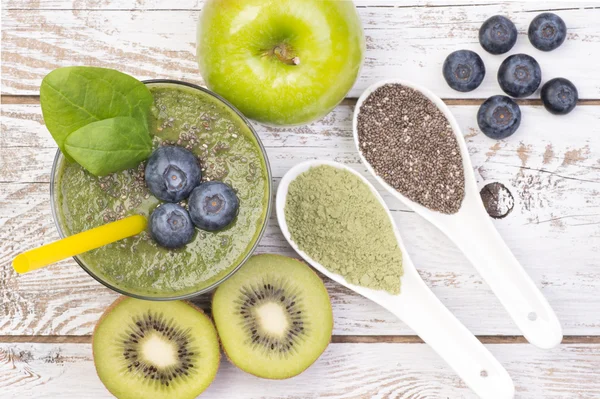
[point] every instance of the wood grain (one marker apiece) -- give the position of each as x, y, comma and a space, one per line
336, 339
35, 99
155, 39
551, 166
345, 371
186, 5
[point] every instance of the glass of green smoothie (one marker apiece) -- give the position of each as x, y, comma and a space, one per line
229, 150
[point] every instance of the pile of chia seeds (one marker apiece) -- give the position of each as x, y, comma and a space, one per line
410, 144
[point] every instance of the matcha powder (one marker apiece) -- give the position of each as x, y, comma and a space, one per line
335, 218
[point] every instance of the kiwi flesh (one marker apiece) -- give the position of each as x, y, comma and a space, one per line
273, 316
155, 350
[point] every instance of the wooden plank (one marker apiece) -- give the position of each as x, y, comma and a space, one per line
127, 5
35, 99
408, 41
336, 339
550, 165
344, 371
186, 5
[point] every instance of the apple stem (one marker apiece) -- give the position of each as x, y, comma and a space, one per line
282, 54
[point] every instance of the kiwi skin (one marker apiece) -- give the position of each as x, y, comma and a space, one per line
121, 299
302, 371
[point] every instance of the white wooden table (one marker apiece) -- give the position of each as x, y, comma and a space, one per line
551, 166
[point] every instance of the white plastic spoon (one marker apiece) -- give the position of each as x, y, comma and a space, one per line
473, 232
418, 307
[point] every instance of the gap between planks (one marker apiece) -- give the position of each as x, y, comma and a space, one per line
336, 339
34, 99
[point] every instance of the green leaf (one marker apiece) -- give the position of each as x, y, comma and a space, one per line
74, 97
110, 145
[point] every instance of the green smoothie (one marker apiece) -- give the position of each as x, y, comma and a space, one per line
228, 151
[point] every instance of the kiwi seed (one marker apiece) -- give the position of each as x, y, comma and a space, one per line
157, 323
154, 350
273, 316
254, 297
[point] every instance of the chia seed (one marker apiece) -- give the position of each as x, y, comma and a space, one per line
410, 144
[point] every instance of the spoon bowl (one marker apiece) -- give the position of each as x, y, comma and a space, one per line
416, 305
474, 233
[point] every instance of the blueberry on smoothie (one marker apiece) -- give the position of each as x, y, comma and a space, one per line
497, 35
547, 31
499, 117
463, 70
213, 205
559, 96
172, 173
519, 75
171, 226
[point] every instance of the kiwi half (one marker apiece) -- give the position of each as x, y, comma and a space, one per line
273, 316
155, 350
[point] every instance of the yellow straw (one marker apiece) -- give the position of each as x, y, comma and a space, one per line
79, 243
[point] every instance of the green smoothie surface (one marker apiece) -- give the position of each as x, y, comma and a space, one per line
227, 150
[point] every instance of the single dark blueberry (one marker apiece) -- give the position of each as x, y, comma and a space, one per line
498, 35
172, 173
213, 205
499, 117
463, 70
519, 75
547, 31
559, 96
171, 226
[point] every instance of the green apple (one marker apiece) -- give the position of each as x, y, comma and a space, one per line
280, 62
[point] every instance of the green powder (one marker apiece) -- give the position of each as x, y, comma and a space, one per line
334, 217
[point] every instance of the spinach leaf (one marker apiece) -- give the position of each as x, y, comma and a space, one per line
110, 145
74, 97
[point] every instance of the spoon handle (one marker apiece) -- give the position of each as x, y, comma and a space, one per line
422, 311
475, 234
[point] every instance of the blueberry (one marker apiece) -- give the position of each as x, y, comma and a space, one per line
172, 173
499, 117
559, 96
519, 75
497, 35
547, 31
213, 205
171, 226
464, 70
